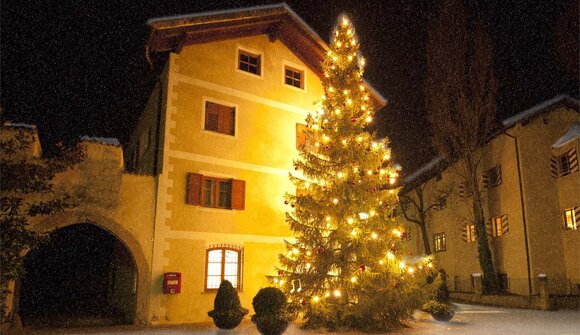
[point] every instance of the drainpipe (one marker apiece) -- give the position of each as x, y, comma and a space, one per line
527, 243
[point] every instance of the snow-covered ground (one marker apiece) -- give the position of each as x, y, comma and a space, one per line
469, 319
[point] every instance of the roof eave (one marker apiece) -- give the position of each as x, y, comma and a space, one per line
276, 12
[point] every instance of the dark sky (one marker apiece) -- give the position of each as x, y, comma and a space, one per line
78, 67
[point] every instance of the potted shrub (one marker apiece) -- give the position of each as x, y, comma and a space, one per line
227, 311
271, 316
441, 308
440, 311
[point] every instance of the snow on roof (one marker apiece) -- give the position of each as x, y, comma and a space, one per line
572, 134
531, 112
102, 140
427, 167
19, 125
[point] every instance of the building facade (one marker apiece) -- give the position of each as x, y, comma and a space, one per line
530, 182
220, 134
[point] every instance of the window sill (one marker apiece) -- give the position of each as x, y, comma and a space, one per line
215, 133
301, 90
215, 209
253, 75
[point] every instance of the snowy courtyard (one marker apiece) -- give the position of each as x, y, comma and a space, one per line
469, 319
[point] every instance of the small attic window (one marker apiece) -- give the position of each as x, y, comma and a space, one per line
249, 62
293, 77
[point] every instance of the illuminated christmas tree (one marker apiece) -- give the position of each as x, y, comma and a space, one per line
346, 267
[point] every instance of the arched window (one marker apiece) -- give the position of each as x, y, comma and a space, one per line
223, 263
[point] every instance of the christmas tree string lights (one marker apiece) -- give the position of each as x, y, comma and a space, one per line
347, 257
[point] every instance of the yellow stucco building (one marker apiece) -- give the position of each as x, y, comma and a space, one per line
531, 182
219, 134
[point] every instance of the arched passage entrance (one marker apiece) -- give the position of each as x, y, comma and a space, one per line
83, 276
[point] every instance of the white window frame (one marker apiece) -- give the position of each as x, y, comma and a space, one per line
252, 51
286, 63
240, 266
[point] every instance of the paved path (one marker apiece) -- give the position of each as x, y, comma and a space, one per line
469, 320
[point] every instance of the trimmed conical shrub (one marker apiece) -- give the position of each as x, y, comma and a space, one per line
227, 311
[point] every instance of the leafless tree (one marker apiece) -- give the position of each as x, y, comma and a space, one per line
460, 93
416, 205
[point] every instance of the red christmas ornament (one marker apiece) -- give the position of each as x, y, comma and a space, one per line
280, 273
373, 189
353, 184
363, 267
353, 119
327, 147
304, 302
320, 250
395, 283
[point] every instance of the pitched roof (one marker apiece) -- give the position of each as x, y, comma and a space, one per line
437, 164
572, 134
278, 21
537, 110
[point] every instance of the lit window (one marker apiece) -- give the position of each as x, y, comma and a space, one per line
293, 77
223, 264
570, 219
249, 62
440, 242
470, 232
496, 226
220, 118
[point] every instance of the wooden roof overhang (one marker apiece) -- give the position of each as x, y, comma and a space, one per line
278, 22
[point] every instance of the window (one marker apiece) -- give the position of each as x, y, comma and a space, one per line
492, 177
499, 225
565, 164
293, 77
470, 233
440, 244
249, 62
223, 263
300, 135
440, 203
220, 118
215, 192
464, 189
570, 219
406, 234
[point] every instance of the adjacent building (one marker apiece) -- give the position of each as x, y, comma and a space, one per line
531, 183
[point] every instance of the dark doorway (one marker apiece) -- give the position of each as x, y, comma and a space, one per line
82, 276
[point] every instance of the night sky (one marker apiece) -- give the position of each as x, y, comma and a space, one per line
78, 67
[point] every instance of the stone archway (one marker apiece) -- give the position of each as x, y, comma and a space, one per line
81, 276
127, 246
